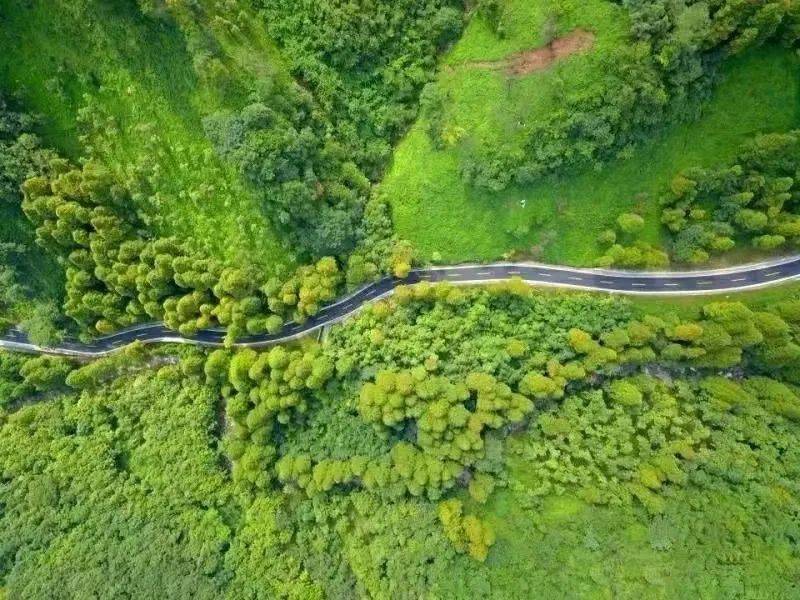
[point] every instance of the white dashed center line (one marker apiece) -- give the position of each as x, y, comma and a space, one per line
739, 279
639, 284
576, 278
773, 274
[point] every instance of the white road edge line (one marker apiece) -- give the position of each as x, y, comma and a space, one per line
117, 337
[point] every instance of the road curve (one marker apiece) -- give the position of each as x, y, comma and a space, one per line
599, 280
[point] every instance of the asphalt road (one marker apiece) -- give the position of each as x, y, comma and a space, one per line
622, 282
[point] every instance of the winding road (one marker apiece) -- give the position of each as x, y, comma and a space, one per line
599, 280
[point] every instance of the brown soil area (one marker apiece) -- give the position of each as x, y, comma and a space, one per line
539, 59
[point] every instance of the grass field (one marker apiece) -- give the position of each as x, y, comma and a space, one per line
558, 220
140, 102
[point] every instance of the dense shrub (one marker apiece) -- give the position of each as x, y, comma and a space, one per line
365, 62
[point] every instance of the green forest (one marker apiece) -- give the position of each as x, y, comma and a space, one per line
285, 177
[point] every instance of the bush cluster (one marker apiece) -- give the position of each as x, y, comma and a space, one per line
754, 200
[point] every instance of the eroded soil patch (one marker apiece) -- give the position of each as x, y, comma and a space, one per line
538, 59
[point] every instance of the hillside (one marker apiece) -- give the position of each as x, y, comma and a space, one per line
241, 355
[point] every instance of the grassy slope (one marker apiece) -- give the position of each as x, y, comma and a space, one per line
435, 210
493, 108
135, 73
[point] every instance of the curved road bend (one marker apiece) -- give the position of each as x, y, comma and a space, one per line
624, 282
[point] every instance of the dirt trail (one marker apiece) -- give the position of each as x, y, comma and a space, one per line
538, 59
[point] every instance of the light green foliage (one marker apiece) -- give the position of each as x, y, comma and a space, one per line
470, 329
615, 446
261, 561
481, 487
398, 550
751, 200
446, 428
307, 291
542, 387
412, 463
467, 533
449, 439
101, 488
265, 391
630, 223
638, 254
775, 396
99, 485
625, 393
116, 277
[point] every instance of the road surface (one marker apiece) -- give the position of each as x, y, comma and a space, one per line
623, 282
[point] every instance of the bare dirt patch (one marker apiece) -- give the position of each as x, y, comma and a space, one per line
539, 59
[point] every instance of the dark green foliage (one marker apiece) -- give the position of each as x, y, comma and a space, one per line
12, 383
21, 154
312, 191
42, 324
21, 157
310, 147
312, 152
11, 290
23, 377
364, 62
